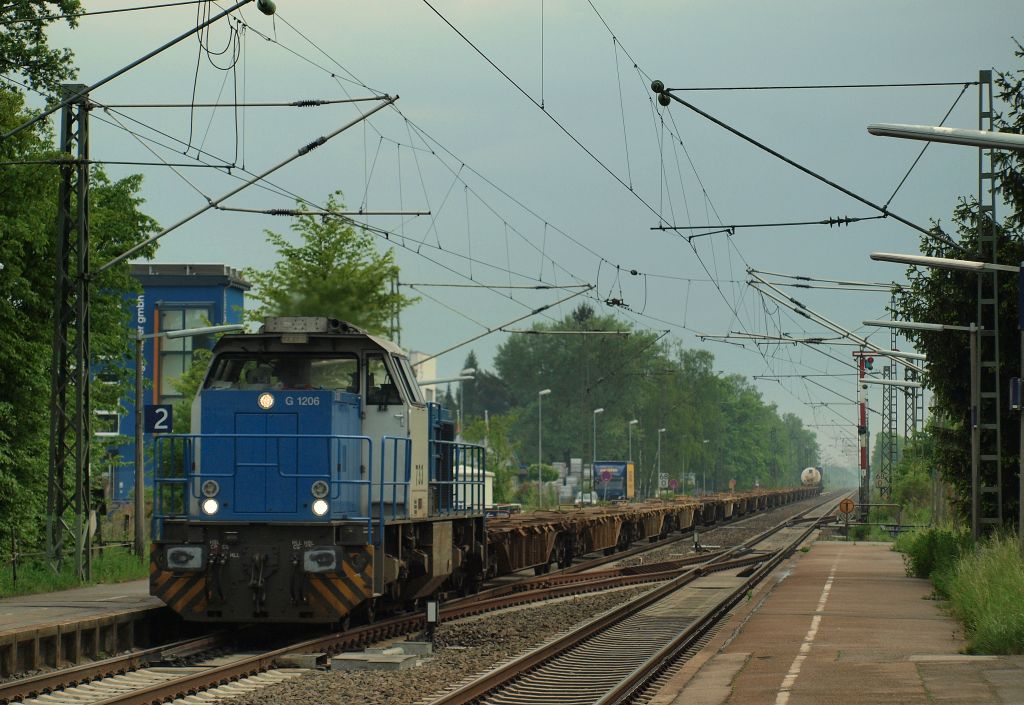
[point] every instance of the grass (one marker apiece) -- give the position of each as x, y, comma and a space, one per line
113, 565
986, 591
984, 584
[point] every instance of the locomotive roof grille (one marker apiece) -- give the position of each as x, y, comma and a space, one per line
307, 324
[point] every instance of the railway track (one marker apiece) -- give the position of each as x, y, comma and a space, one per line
156, 676
614, 657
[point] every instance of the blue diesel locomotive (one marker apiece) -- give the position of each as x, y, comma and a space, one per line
316, 484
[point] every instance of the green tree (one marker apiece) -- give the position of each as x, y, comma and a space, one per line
501, 451
716, 427
335, 270
486, 392
23, 48
27, 260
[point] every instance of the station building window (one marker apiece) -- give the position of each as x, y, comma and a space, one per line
106, 424
176, 353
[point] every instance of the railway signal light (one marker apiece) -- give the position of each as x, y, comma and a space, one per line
869, 363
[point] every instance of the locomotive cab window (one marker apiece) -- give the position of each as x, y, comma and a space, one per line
380, 385
412, 388
285, 371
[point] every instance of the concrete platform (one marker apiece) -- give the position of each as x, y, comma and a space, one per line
843, 624
51, 629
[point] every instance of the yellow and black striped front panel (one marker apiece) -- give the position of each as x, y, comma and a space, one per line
341, 592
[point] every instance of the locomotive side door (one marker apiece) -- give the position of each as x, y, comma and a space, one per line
385, 417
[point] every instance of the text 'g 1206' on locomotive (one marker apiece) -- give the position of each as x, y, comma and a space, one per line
316, 483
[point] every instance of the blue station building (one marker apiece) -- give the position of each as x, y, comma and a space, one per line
174, 297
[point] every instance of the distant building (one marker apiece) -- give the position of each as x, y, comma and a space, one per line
174, 297
425, 371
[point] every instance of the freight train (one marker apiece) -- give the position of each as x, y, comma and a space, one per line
316, 483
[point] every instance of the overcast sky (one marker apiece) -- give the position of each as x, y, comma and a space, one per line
510, 191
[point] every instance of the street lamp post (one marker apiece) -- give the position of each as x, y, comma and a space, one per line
660, 431
593, 460
704, 471
540, 456
469, 373
629, 429
140, 472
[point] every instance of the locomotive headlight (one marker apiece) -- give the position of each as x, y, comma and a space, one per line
320, 489
320, 507
265, 400
210, 506
210, 489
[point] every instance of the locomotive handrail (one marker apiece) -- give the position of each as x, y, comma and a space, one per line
472, 458
394, 483
188, 479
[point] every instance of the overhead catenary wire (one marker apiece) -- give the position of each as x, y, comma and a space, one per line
666, 277
303, 103
826, 86
302, 151
830, 222
927, 144
76, 95
547, 113
91, 13
935, 234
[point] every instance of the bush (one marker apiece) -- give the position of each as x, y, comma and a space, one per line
986, 590
933, 553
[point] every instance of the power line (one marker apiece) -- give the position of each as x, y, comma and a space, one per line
551, 117
310, 103
936, 234
825, 86
830, 222
77, 95
496, 286
75, 15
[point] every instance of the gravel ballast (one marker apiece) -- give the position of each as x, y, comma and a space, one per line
462, 649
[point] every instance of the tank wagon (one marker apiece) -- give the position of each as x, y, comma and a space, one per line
810, 477
316, 483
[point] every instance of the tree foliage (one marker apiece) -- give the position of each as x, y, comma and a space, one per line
716, 426
27, 261
950, 297
334, 270
23, 48
485, 392
502, 452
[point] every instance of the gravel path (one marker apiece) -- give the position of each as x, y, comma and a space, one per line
462, 649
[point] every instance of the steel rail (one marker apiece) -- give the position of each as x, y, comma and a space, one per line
511, 671
646, 672
560, 584
51, 681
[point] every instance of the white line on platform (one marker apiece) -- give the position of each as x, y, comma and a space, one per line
782, 698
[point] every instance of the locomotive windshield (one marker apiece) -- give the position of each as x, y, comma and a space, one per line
285, 371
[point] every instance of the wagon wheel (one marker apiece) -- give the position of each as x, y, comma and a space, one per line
366, 612
565, 555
